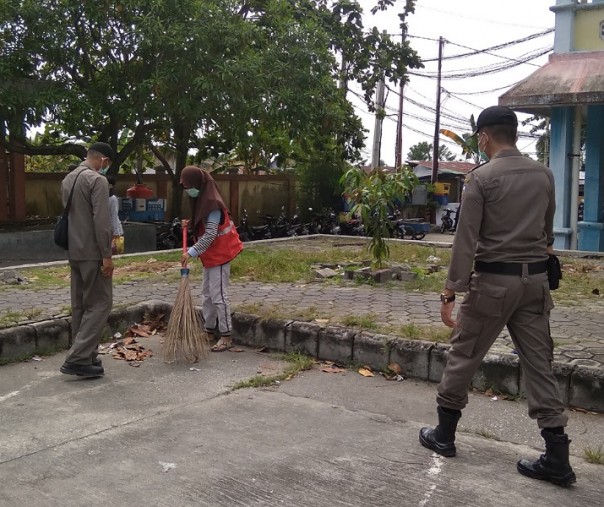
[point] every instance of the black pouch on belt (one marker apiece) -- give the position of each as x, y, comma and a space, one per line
554, 271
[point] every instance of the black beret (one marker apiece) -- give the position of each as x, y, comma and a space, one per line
103, 149
496, 115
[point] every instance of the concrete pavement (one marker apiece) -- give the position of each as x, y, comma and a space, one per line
166, 435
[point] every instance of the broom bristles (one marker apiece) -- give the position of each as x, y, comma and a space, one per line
185, 339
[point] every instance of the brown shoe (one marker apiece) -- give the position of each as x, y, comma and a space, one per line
225, 343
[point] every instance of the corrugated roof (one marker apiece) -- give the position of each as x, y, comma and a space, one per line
568, 79
454, 167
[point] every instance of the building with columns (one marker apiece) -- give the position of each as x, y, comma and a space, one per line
569, 90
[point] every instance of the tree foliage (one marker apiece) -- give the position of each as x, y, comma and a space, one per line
374, 195
424, 151
241, 79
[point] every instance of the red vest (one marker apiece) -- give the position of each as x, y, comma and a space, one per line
225, 247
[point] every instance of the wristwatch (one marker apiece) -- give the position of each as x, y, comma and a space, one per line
444, 299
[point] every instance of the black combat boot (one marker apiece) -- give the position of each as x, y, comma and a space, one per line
442, 438
553, 466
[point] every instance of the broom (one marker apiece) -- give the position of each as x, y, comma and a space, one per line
185, 339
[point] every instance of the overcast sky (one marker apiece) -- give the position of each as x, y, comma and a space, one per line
475, 24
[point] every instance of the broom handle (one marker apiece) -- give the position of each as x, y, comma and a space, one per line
184, 239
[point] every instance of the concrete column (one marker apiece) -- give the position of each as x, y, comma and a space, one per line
564, 34
591, 230
561, 165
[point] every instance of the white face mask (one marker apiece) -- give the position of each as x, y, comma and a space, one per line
192, 192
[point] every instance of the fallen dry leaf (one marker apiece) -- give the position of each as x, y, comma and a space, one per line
136, 364
333, 369
395, 368
365, 372
236, 350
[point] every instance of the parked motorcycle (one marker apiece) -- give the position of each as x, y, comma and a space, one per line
447, 222
252, 233
403, 228
169, 236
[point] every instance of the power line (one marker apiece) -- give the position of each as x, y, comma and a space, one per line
490, 69
489, 50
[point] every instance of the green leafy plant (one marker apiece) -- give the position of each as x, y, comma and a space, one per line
374, 195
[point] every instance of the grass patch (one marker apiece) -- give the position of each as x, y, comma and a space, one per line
581, 278
298, 362
10, 318
163, 266
594, 455
367, 321
437, 334
275, 313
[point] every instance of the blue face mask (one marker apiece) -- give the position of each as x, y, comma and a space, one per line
483, 156
192, 192
104, 171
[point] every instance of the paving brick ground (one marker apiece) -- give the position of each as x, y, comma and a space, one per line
577, 331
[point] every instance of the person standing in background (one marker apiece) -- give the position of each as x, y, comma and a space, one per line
117, 243
90, 260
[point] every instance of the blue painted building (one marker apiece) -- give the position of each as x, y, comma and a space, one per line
569, 90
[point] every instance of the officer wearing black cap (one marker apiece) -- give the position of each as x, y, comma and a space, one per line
499, 255
90, 260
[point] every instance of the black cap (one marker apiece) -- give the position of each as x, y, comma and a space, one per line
495, 115
103, 149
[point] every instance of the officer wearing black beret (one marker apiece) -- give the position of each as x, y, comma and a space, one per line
499, 255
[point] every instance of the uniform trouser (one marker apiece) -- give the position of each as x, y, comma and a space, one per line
215, 307
523, 303
91, 300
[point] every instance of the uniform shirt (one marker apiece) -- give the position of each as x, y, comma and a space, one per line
508, 216
89, 223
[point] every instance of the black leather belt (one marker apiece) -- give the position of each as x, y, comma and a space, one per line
509, 268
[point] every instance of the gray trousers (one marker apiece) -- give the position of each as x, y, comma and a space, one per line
91, 301
215, 307
523, 303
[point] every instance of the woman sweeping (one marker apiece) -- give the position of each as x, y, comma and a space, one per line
217, 244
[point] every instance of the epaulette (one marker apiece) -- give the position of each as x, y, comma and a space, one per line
479, 165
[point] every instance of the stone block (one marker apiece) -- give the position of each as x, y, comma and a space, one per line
52, 334
303, 337
244, 328
271, 333
371, 349
499, 372
335, 344
438, 361
413, 356
16, 342
587, 388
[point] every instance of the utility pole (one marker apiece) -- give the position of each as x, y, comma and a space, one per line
398, 151
379, 119
441, 43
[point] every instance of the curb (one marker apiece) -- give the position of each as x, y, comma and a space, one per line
580, 386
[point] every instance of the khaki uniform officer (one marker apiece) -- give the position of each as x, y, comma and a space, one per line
499, 259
